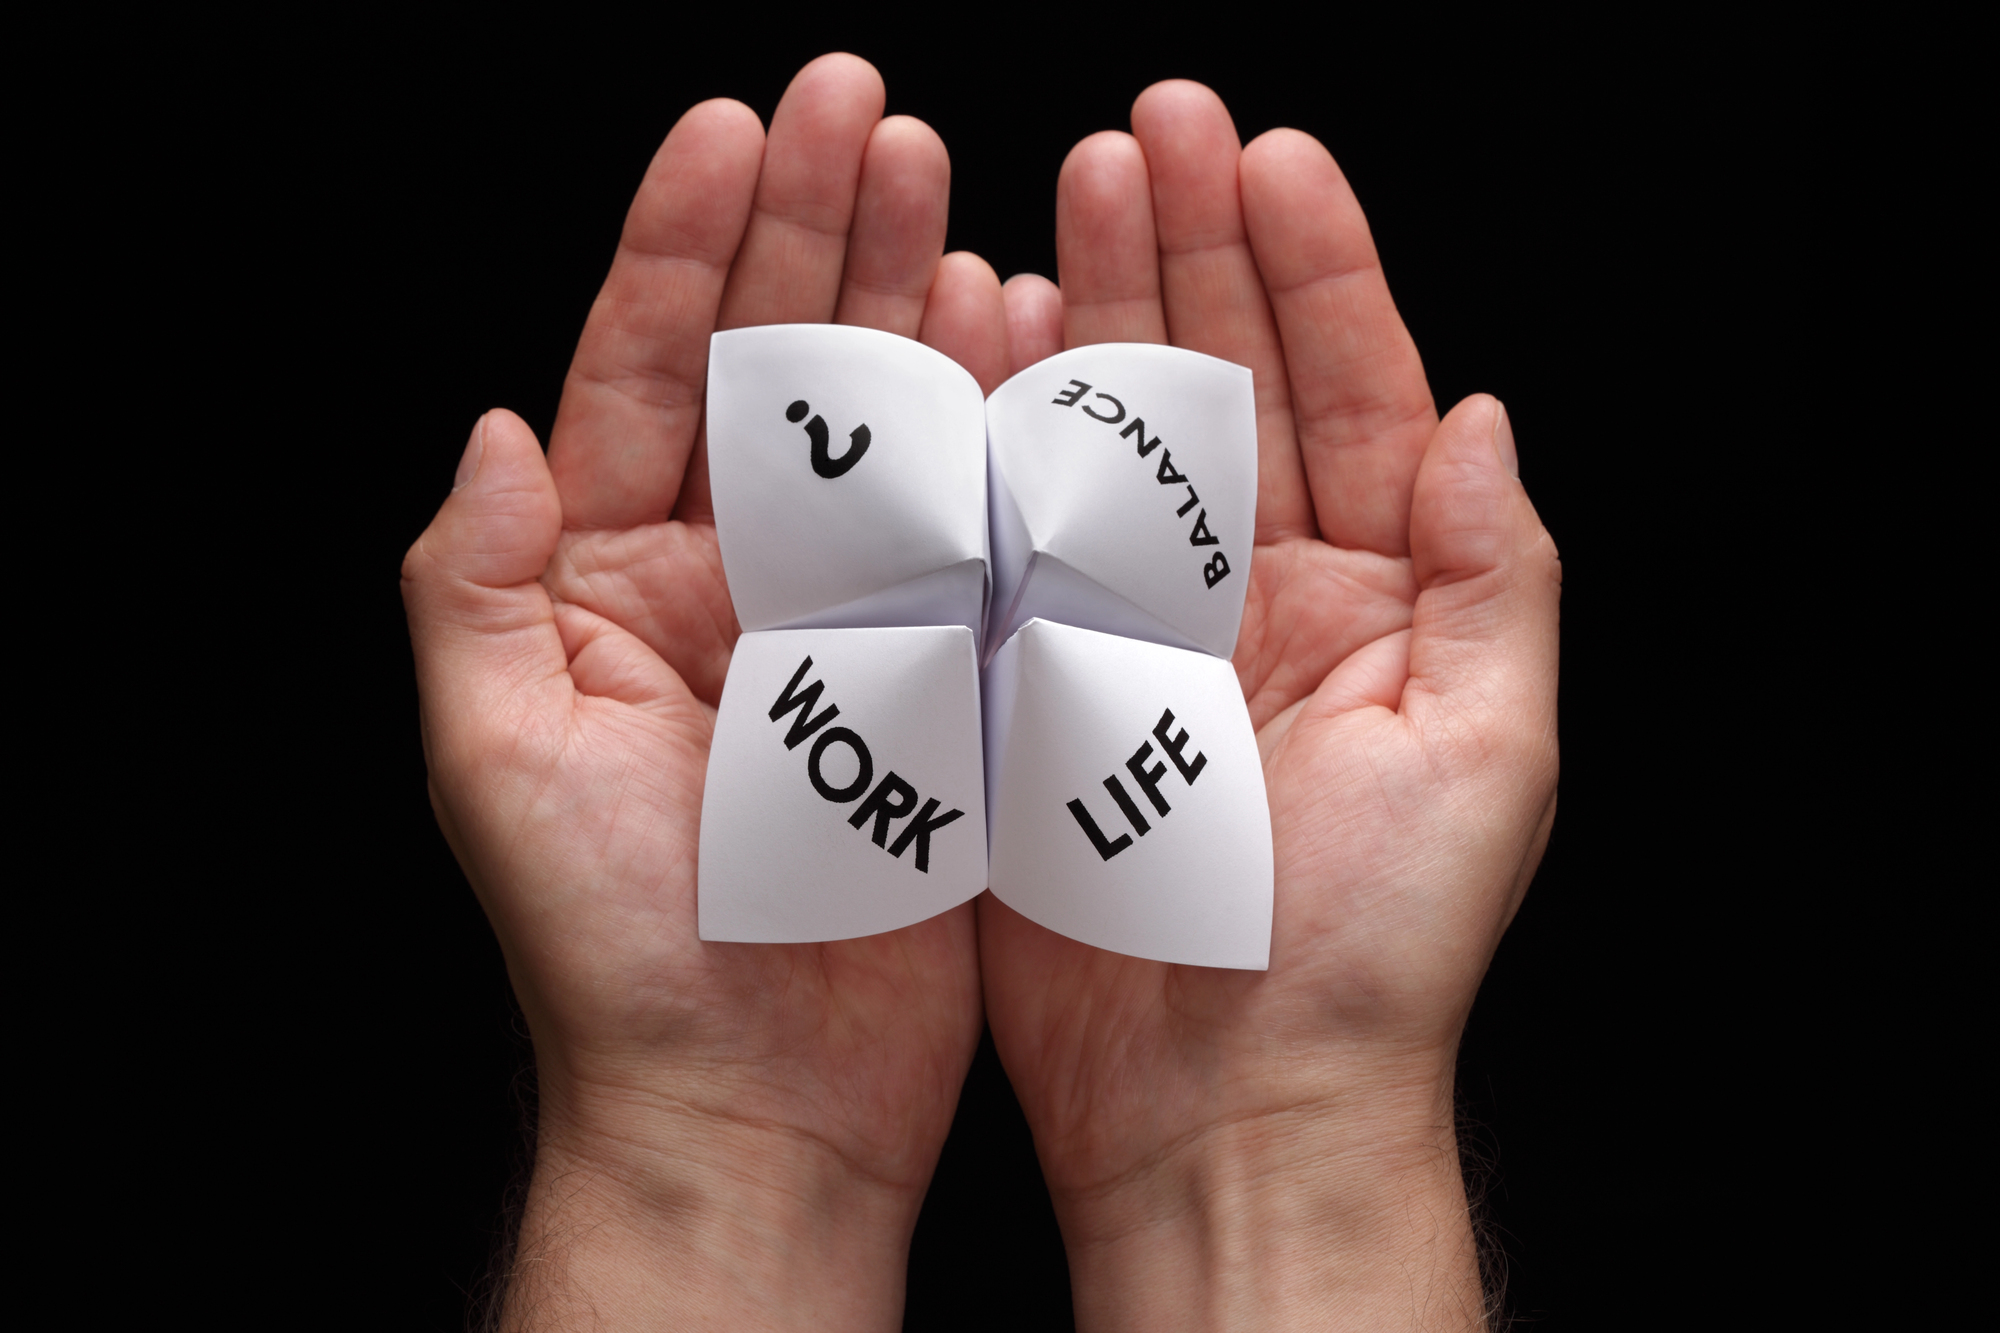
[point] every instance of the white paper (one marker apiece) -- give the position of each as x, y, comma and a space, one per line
1123, 479
848, 472
1153, 745
802, 838
853, 779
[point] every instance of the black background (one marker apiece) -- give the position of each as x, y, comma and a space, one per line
1579, 221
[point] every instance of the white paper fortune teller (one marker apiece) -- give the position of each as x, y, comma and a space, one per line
848, 468
851, 788
1123, 479
845, 794
1126, 797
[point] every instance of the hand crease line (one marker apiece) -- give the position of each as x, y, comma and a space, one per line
1313, 423
1237, 242
638, 252
1373, 264
765, 1124
686, 399
802, 223
1094, 302
1188, 1138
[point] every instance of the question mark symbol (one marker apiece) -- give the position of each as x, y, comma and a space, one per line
823, 463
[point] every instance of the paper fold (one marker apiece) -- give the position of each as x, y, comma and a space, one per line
1127, 797
1090, 528
848, 472
845, 793
1135, 467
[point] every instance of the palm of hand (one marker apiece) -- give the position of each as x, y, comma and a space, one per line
843, 1043
570, 779
572, 661
1405, 822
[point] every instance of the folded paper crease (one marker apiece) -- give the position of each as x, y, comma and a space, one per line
986, 644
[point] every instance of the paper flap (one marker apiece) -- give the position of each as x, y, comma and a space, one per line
843, 462
1128, 803
845, 793
1051, 590
953, 596
1136, 466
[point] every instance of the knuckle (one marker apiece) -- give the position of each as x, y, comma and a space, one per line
418, 565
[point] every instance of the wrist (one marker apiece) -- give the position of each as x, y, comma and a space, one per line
642, 1211
1345, 1212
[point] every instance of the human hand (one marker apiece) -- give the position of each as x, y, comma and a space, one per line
1238, 1149
739, 1134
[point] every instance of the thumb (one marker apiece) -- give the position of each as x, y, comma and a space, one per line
1483, 642
482, 626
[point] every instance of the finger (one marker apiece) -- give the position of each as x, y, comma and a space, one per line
1209, 283
897, 235
1034, 320
482, 626
633, 396
1483, 639
788, 269
1107, 257
966, 318
1361, 406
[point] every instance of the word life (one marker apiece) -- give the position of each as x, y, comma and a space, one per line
824, 463
892, 798
1148, 780
1168, 475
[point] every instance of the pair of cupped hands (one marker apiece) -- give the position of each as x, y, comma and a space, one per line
741, 1135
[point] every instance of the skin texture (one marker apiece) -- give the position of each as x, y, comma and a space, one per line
1237, 1149
740, 1136
732, 1136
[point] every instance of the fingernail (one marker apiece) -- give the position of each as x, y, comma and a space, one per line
1503, 443
475, 449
